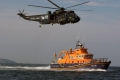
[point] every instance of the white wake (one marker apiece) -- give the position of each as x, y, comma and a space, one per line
25, 68
90, 70
43, 68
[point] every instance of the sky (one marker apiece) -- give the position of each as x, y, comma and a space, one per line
25, 42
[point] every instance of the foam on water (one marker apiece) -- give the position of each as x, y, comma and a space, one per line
26, 68
43, 68
90, 70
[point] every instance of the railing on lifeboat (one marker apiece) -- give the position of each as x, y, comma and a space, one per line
101, 60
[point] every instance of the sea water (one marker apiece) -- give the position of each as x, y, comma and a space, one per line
43, 72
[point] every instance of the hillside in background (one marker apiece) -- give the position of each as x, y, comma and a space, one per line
6, 61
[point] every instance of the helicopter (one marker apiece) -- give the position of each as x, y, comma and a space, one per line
60, 16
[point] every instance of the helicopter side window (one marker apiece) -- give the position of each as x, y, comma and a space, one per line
46, 16
42, 17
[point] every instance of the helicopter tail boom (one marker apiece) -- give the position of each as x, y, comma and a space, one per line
23, 15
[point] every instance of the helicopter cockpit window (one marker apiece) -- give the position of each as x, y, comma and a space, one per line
72, 11
75, 15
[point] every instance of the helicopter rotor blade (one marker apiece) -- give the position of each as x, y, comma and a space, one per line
85, 10
54, 4
19, 10
23, 10
79, 10
42, 7
77, 4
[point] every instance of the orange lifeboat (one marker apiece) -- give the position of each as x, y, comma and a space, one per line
78, 58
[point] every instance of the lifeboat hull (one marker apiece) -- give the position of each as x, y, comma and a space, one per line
97, 65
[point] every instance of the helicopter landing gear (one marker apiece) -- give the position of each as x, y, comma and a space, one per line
40, 26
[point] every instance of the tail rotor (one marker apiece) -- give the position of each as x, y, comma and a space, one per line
21, 13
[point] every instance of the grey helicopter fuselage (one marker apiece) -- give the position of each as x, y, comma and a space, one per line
57, 17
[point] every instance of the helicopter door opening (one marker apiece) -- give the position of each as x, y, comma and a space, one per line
52, 17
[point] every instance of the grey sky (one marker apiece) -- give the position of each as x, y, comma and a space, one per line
24, 42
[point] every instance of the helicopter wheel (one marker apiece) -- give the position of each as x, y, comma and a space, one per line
40, 26
60, 23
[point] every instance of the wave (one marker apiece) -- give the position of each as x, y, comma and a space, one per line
24, 68
91, 70
44, 68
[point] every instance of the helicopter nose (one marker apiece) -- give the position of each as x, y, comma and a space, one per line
78, 18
